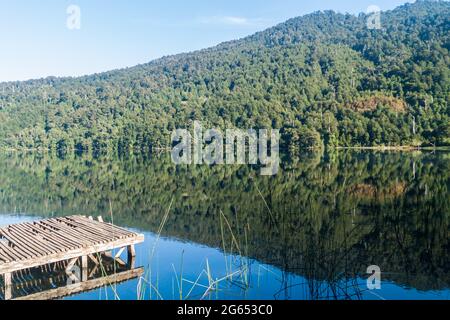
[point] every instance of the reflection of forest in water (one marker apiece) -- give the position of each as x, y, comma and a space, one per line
323, 216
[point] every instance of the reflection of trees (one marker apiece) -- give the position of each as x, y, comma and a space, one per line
326, 217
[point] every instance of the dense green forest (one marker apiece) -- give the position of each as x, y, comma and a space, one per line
331, 214
323, 79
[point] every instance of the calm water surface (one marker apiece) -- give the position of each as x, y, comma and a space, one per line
225, 232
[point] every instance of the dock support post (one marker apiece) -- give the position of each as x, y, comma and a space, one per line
131, 253
84, 268
8, 285
131, 263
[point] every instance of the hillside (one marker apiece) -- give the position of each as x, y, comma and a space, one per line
323, 79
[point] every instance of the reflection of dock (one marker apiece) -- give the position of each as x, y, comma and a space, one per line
60, 244
84, 286
53, 282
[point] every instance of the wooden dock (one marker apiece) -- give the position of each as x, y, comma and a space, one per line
53, 282
74, 239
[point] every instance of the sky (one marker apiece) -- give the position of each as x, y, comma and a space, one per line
72, 38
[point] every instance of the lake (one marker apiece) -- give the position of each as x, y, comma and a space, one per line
226, 232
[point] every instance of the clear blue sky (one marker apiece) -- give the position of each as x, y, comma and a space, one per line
114, 34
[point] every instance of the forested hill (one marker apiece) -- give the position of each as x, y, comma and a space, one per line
323, 79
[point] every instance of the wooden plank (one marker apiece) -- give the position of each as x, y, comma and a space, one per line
93, 258
120, 261
53, 237
19, 247
36, 244
131, 252
37, 261
119, 253
53, 240
76, 233
80, 233
84, 268
8, 286
36, 283
62, 235
87, 229
7, 252
105, 227
85, 286
3, 256
93, 271
28, 235
47, 236
71, 264
14, 254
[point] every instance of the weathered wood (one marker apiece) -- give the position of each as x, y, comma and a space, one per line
131, 252
119, 253
70, 265
93, 258
8, 285
50, 241
120, 261
131, 262
84, 286
84, 268
37, 261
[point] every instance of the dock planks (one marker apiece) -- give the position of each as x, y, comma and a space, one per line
32, 244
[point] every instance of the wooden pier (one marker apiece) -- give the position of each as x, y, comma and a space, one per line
53, 282
72, 240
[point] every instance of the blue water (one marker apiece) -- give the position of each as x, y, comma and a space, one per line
310, 232
174, 260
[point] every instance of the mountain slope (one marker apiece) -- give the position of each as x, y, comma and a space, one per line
322, 78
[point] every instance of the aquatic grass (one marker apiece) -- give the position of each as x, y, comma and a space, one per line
179, 280
148, 275
139, 285
223, 244
239, 278
195, 284
213, 284
268, 208
104, 273
231, 232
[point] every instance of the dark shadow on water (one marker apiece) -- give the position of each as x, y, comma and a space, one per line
56, 281
326, 217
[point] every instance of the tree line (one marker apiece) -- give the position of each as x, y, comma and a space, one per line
323, 79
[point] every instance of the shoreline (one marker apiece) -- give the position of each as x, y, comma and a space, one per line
383, 148
397, 148
159, 150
